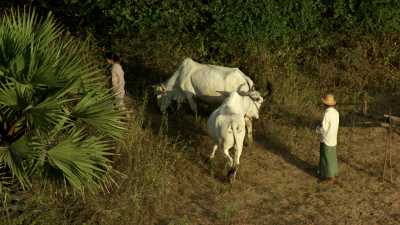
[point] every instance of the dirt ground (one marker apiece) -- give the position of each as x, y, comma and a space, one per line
276, 182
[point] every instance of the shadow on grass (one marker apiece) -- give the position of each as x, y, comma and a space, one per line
348, 118
271, 143
294, 119
139, 78
180, 124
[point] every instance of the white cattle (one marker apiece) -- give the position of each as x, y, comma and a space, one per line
209, 83
227, 125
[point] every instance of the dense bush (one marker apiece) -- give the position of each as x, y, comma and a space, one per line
281, 22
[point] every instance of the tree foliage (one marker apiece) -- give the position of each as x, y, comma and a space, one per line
288, 21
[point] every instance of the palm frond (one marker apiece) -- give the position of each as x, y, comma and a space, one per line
47, 31
56, 116
14, 155
97, 111
8, 95
47, 113
81, 160
5, 183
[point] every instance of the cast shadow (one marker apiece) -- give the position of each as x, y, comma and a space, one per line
272, 144
180, 125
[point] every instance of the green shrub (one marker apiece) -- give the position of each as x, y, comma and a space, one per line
57, 121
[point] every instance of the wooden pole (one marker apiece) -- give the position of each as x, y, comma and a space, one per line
365, 104
390, 152
388, 146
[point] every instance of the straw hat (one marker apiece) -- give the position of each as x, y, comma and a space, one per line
329, 100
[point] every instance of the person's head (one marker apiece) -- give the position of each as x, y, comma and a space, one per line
329, 100
112, 58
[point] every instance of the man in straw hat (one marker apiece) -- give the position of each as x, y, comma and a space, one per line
328, 166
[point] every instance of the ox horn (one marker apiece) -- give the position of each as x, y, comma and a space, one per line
244, 93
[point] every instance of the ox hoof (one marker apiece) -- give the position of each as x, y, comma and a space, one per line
232, 175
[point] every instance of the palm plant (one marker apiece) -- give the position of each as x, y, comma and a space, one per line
58, 122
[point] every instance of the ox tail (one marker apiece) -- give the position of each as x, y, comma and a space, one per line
235, 131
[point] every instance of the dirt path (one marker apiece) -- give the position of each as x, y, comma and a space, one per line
276, 184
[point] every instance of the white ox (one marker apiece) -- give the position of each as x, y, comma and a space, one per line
209, 83
226, 125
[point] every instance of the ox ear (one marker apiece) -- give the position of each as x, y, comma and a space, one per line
159, 88
264, 94
253, 88
163, 88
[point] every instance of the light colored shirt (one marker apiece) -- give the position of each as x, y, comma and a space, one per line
118, 81
329, 127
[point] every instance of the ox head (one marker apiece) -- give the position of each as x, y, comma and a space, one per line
163, 100
246, 87
267, 93
159, 90
255, 101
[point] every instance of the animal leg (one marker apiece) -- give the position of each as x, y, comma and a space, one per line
226, 154
232, 174
249, 128
213, 152
238, 153
192, 103
233, 171
210, 160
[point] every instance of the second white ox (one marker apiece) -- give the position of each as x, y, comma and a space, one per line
226, 125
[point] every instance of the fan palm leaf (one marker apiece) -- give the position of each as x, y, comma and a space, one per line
82, 161
57, 118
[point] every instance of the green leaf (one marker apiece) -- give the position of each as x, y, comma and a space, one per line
56, 114
81, 160
14, 156
8, 96
19, 63
96, 110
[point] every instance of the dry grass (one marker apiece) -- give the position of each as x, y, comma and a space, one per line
277, 185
